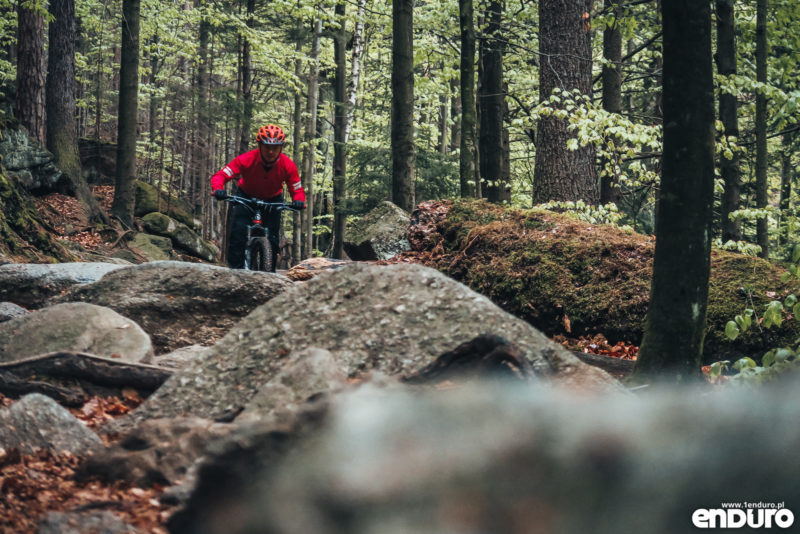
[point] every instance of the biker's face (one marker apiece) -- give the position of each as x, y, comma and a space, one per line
270, 153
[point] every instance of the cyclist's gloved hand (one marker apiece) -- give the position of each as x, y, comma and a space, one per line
298, 204
220, 194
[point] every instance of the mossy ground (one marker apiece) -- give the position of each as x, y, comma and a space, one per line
23, 235
565, 276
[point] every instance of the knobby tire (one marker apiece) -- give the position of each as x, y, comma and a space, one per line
260, 254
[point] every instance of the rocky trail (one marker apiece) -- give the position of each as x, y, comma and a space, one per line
174, 396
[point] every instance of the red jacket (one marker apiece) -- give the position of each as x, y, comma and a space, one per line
258, 181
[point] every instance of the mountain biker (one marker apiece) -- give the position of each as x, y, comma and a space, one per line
262, 173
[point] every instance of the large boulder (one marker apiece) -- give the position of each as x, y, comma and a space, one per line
515, 460
182, 236
147, 202
37, 422
181, 303
9, 310
152, 247
396, 320
30, 285
29, 162
305, 374
379, 235
74, 327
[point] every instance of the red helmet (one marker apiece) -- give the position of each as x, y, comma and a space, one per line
271, 135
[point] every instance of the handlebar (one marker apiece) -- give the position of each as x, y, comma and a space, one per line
254, 203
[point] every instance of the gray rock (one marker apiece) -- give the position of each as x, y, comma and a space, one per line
37, 422
182, 236
180, 303
29, 162
180, 358
83, 523
517, 460
74, 327
305, 374
379, 235
394, 319
9, 310
159, 451
31, 284
152, 247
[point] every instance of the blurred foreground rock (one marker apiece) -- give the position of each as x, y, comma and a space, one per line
511, 459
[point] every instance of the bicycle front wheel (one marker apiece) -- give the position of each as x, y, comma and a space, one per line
260, 252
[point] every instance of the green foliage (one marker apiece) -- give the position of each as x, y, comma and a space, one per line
777, 361
608, 214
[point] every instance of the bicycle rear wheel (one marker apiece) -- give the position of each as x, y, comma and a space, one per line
260, 254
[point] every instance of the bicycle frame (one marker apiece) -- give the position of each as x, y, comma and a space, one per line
256, 230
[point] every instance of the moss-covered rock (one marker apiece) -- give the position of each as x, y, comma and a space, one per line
152, 247
24, 237
147, 202
182, 236
569, 277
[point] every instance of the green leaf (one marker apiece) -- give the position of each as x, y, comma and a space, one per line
768, 359
790, 301
731, 330
796, 253
717, 368
772, 316
744, 363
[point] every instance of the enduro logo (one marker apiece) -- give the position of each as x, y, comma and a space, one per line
738, 515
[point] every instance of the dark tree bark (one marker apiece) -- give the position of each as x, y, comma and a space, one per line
339, 148
62, 131
787, 176
125, 192
202, 131
566, 63
491, 103
468, 158
30, 71
729, 115
247, 84
612, 89
311, 135
676, 317
761, 127
297, 119
403, 104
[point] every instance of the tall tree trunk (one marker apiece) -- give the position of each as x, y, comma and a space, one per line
355, 68
311, 135
247, 83
30, 70
490, 100
125, 192
787, 175
201, 146
729, 115
62, 132
468, 172
403, 104
761, 127
339, 147
612, 93
565, 49
676, 317
297, 118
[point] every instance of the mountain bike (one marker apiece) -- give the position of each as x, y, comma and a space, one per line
258, 250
